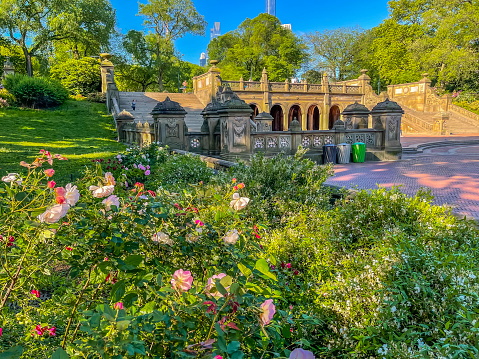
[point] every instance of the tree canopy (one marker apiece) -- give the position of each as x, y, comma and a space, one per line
256, 44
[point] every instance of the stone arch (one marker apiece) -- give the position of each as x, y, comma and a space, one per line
334, 115
277, 111
256, 110
314, 117
295, 110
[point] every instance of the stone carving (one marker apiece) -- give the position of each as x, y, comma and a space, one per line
349, 139
359, 138
369, 139
306, 141
348, 123
224, 126
259, 142
239, 129
327, 140
317, 141
195, 142
284, 142
272, 142
392, 127
172, 128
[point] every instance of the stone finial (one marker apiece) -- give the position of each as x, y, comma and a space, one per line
125, 116
364, 75
338, 125
295, 126
106, 59
168, 107
263, 116
355, 108
286, 81
387, 107
264, 70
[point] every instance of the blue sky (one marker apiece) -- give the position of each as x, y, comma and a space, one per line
303, 15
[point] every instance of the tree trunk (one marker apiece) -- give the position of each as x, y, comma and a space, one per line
160, 80
76, 54
28, 61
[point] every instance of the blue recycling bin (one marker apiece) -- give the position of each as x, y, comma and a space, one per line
329, 153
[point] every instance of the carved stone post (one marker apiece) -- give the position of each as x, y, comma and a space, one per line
106, 68
234, 116
211, 122
123, 118
265, 88
387, 118
340, 130
8, 68
264, 122
169, 118
355, 116
295, 129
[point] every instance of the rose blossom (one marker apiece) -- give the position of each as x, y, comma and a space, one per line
49, 172
100, 192
238, 202
299, 353
212, 284
111, 201
51, 184
109, 179
72, 195
147, 172
161, 237
119, 305
54, 213
36, 293
12, 177
182, 280
231, 237
60, 192
268, 310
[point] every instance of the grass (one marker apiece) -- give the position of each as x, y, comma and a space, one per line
78, 130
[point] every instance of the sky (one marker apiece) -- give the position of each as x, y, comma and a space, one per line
303, 15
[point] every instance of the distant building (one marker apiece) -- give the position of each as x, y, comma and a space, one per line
215, 31
271, 7
203, 59
287, 27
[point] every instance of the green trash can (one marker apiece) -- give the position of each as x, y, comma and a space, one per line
359, 152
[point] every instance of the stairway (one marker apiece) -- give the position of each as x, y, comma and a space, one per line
146, 101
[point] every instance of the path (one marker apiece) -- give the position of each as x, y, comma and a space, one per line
451, 172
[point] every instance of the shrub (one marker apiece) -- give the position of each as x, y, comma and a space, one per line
78, 76
99, 97
36, 92
6, 98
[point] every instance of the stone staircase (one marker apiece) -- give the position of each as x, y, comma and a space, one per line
457, 124
146, 101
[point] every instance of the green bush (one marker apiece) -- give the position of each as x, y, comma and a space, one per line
99, 97
6, 98
78, 76
35, 92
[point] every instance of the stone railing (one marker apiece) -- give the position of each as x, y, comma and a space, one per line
138, 133
426, 126
466, 113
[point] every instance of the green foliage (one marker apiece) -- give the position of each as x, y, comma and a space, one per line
78, 76
258, 43
6, 98
35, 92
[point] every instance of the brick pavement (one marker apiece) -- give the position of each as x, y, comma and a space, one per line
451, 172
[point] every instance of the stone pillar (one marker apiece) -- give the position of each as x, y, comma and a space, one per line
286, 85
169, 118
234, 116
295, 129
265, 88
427, 85
387, 118
355, 116
123, 118
324, 120
8, 68
211, 122
364, 81
212, 79
340, 131
106, 67
264, 122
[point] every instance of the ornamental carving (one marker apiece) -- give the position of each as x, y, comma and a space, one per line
224, 129
370, 139
172, 128
284, 142
392, 127
195, 142
348, 123
316, 141
259, 142
239, 129
272, 142
306, 141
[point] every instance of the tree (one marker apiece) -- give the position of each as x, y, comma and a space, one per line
168, 20
38, 23
78, 76
258, 43
333, 51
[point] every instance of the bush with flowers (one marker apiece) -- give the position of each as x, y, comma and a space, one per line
251, 266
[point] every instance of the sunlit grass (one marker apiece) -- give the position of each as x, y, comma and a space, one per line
79, 130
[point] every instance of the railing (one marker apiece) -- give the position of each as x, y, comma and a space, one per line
315, 87
235, 85
252, 85
418, 121
336, 88
278, 86
353, 89
464, 112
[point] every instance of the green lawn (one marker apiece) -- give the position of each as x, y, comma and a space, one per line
78, 130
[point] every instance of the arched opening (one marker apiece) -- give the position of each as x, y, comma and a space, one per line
313, 118
334, 114
277, 113
255, 111
294, 113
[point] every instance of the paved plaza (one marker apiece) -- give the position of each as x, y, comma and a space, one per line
450, 171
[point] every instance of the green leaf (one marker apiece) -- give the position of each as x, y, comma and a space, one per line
262, 266
159, 279
220, 288
287, 331
118, 290
122, 325
226, 281
108, 313
60, 354
237, 355
232, 347
245, 270
12, 353
222, 343
234, 288
20, 196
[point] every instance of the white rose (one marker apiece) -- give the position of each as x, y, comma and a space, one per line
54, 214
100, 192
111, 201
12, 177
238, 203
161, 237
72, 195
231, 237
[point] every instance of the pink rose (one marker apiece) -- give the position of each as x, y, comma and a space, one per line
111, 201
268, 310
54, 214
1, 331
60, 192
109, 179
182, 280
147, 172
49, 172
51, 184
238, 203
101, 192
36, 293
211, 284
72, 195
119, 305
299, 353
